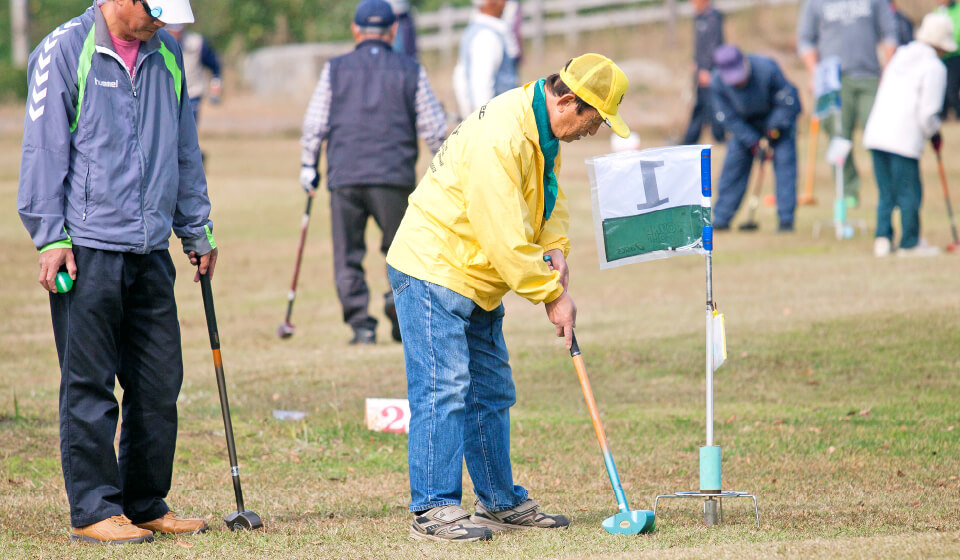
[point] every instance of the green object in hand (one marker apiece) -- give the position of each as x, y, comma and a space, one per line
64, 282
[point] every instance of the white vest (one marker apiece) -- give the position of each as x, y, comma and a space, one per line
192, 45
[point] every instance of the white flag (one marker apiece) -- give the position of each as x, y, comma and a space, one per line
826, 86
650, 204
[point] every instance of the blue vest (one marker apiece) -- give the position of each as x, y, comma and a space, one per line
506, 77
373, 116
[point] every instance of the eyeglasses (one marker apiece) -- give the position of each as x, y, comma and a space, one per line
602, 121
152, 12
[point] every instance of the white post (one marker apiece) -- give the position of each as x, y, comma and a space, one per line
671, 23
446, 33
538, 30
709, 260
19, 25
570, 17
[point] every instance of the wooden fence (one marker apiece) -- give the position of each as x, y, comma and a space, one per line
275, 70
441, 30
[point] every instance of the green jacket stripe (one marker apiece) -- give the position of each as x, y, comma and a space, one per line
83, 68
171, 61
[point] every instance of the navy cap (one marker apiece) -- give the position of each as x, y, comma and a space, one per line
374, 13
729, 61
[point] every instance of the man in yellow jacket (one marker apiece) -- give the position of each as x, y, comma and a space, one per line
478, 225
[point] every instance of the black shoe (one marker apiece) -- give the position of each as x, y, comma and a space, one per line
721, 227
363, 336
785, 228
391, 311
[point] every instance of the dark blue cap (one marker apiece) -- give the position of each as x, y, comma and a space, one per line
729, 61
374, 13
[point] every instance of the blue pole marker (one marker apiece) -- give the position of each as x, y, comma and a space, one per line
705, 173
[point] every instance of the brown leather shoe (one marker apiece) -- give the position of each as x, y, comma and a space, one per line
173, 523
113, 530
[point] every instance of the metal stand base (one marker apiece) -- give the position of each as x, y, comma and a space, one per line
852, 223
709, 511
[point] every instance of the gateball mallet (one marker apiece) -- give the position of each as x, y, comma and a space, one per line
763, 154
955, 246
627, 522
242, 518
807, 197
287, 329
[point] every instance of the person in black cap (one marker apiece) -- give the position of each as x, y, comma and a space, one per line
708, 35
369, 106
757, 105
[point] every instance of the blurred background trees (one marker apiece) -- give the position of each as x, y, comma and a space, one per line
234, 26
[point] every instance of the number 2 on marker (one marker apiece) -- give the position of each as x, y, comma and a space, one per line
394, 419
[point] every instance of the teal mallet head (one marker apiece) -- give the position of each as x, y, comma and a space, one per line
631, 522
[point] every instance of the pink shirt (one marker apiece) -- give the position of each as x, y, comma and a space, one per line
128, 52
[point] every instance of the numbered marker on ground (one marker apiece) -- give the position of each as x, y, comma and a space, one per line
388, 415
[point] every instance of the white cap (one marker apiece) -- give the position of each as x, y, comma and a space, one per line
936, 30
171, 11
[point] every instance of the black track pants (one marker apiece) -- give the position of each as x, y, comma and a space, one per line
350, 209
119, 322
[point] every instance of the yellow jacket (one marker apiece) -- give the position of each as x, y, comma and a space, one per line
475, 222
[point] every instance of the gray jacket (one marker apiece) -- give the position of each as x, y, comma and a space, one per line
110, 162
849, 29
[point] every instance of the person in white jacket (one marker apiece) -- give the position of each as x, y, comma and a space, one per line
904, 115
487, 64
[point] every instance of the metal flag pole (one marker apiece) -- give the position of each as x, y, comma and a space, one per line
839, 201
710, 453
828, 103
710, 308
710, 478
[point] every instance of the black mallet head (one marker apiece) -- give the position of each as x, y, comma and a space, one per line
245, 520
285, 330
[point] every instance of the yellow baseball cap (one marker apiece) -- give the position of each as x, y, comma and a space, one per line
601, 83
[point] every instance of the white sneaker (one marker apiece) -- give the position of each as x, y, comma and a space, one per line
881, 247
923, 249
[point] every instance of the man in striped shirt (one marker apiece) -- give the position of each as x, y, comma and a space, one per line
369, 106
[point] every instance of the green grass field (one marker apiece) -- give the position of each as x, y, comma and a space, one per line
837, 406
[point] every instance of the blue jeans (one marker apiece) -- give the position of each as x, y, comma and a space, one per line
736, 172
898, 180
460, 388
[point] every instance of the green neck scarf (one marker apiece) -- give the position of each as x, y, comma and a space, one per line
549, 145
